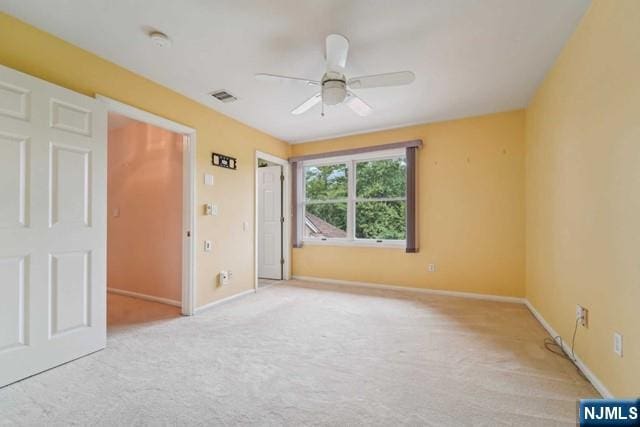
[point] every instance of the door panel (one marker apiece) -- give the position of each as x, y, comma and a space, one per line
13, 181
52, 225
70, 287
270, 222
12, 291
14, 101
70, 185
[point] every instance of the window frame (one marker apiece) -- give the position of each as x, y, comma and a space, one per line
351, 162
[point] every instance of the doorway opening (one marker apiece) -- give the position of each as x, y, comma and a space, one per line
150, 217
272, 220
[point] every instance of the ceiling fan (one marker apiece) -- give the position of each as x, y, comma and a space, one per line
335, 87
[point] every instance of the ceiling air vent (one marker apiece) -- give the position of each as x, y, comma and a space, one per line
223, 96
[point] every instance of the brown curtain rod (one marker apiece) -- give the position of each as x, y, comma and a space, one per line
391, 146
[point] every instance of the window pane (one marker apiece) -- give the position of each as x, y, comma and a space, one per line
381, 178
327, 220
381, 220
326, 182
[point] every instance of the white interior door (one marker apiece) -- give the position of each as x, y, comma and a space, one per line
270, 222
52, 225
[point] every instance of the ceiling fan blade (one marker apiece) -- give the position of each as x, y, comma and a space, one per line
306, 105
337, 49
381, 80
278, 78
358, 106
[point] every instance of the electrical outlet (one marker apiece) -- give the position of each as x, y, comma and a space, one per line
617, 343
582, 314
431, 268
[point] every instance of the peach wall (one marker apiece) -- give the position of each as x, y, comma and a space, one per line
144, 244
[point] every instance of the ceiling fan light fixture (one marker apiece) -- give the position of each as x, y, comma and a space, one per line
334, 86
333, 92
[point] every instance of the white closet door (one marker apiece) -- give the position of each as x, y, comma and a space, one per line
52, 225
270, 222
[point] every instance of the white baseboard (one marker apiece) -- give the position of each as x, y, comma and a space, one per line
145, 297
599, 386
223, 300
472, 295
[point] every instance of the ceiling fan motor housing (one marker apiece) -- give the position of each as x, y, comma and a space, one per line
334, 88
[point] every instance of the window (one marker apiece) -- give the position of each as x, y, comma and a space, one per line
381, 199
357, 199
326, 201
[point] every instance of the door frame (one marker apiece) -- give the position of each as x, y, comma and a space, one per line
188, 192
286, 212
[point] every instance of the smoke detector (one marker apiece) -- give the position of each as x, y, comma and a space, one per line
160, 39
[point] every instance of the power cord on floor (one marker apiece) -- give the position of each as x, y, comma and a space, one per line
555, 344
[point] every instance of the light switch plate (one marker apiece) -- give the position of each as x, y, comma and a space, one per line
224, 277
208, 179
617, 343
207, 245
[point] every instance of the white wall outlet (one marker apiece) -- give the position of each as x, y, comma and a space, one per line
214, 210
582, 314
223, 278
208, 179
207, 245
431, 268
617, 343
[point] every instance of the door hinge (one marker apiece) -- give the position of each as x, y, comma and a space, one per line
282, 219
282, 261
282, 178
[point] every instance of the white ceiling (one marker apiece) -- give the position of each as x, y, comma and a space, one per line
470, 57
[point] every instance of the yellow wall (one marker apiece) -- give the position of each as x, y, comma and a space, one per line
583, 191
35, 52
471, 211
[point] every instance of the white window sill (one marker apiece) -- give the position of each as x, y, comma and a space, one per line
356, 243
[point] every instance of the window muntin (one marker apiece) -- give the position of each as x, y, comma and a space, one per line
356, 199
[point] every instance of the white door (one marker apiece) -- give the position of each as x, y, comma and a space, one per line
52, 225
270, 222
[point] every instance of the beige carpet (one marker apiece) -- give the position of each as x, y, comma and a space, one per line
301, 354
